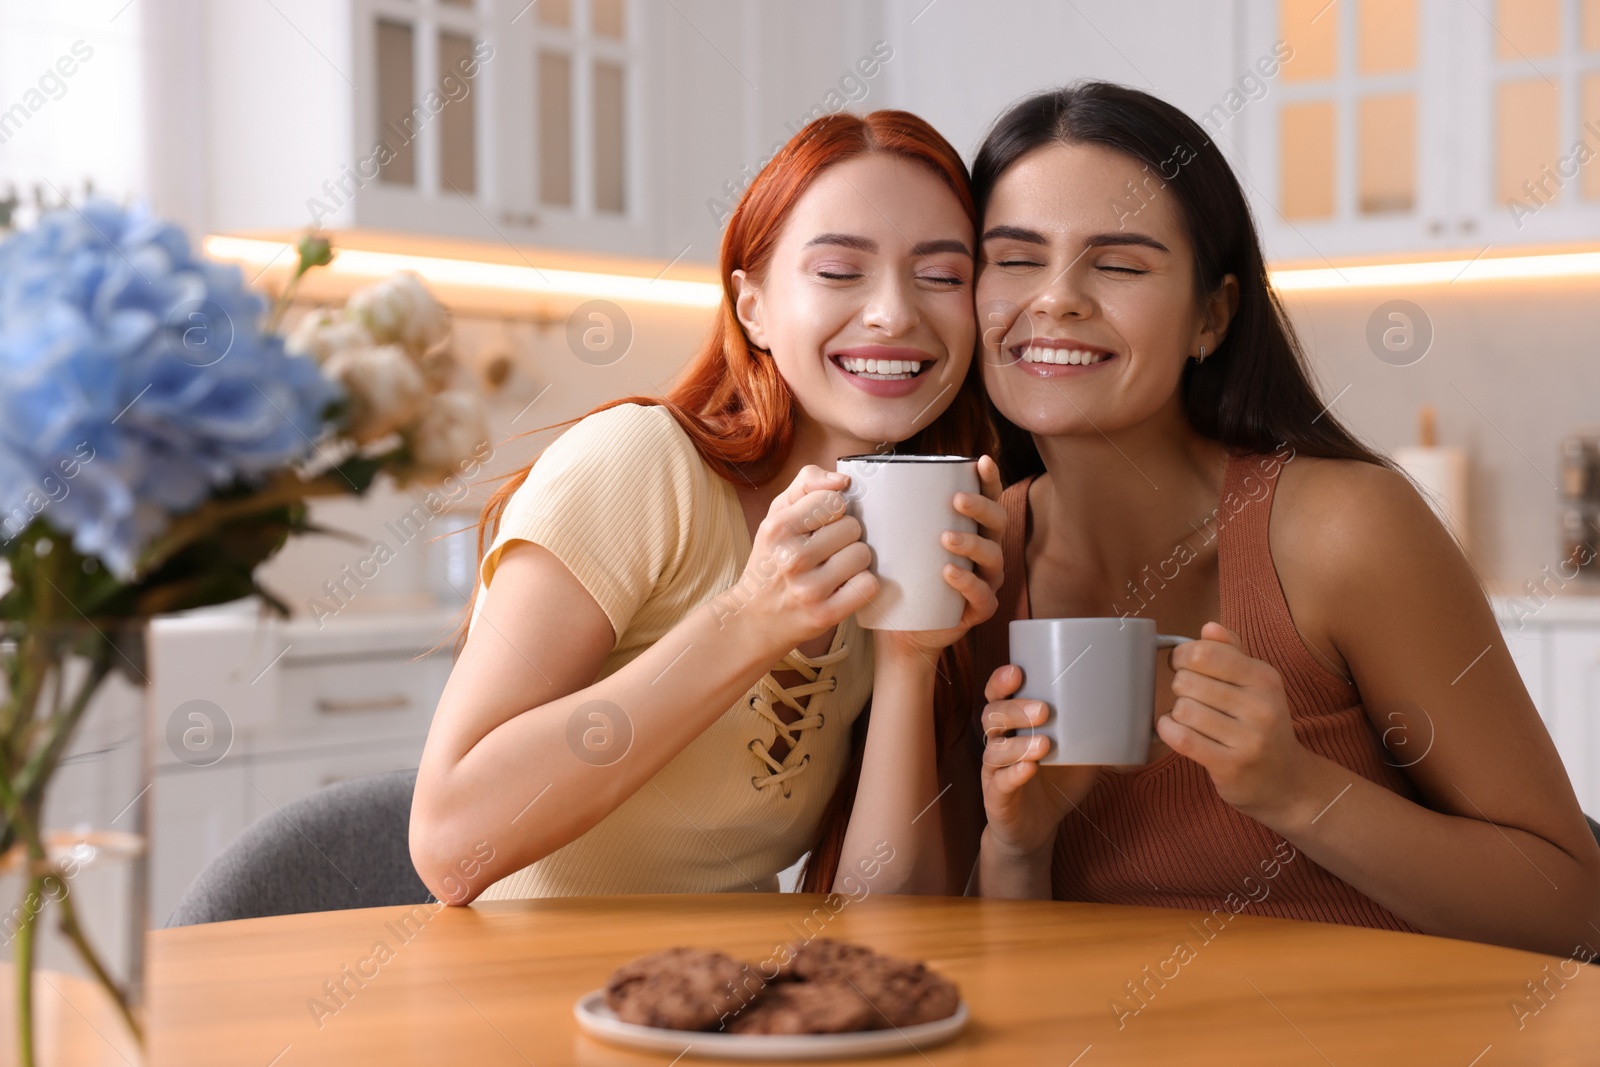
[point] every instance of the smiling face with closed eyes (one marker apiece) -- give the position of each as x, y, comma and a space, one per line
866, 303
1086, 294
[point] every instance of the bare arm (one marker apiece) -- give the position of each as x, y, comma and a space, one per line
502, 766
1498, 851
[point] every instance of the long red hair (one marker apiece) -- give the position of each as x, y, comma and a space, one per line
740, 413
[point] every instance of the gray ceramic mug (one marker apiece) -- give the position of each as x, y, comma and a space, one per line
1097, 679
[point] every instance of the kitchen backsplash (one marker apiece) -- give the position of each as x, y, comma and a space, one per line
1511, 369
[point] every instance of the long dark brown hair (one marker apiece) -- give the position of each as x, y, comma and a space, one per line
1254, 393
740, 413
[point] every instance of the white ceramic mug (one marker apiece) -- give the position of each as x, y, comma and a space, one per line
904, 505
1097, 680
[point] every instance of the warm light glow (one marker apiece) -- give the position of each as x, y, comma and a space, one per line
362, 265
1440, 272
472, 274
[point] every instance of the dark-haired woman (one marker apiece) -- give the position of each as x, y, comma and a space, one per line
1349, 740
663, 685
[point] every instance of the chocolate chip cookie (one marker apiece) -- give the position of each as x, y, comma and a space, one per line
805, 1008
678, 989
901, 992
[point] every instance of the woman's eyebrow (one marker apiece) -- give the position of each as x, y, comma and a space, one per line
945, 244
1106, 240
844, 240
1014, 233
1099, 240
868, 245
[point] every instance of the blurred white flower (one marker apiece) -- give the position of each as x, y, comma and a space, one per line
387, 391
438, 368
322, 333
452, 426
400, 310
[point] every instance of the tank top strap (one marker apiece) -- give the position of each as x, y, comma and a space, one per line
1013, 594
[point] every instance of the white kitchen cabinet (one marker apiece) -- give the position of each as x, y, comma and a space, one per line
195, 813
540, 145
623, 128
1574, 653
252, 714
475, 119
1403, 126
282, 778
1557, 651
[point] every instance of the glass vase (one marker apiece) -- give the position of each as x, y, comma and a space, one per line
74, 788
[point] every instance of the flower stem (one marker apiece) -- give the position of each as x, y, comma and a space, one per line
74, 932
35, 775
23, 967
284, 488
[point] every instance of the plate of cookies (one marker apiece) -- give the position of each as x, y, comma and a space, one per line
817, 999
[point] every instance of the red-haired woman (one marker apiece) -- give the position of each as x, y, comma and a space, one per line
663, 687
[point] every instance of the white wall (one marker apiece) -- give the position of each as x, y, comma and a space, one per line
57, 129
963, 61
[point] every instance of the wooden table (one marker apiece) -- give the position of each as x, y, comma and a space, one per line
495, 983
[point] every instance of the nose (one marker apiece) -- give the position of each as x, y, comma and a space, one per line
1063, 295
891, 306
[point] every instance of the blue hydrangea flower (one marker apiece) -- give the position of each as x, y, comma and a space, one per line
119, 344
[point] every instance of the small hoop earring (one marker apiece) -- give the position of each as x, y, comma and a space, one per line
1201, 358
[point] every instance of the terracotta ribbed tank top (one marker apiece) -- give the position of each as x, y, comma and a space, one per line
1160, 836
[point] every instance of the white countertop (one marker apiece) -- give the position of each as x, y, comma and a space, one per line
1563, 607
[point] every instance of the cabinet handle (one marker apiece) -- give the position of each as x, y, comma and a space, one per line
389, 703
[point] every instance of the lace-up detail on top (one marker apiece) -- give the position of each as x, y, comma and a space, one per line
769, 696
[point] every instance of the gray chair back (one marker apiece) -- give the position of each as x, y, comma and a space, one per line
345, 846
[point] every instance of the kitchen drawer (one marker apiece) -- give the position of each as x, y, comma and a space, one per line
196, 814
279, 780
1575, 683
331, 699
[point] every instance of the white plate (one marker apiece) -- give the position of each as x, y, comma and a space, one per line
597, 1020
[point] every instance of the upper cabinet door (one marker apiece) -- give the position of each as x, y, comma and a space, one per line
1398, 126
501, 121
1350, 150
1530, 112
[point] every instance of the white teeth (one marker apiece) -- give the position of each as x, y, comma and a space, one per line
1069, 356
887, 369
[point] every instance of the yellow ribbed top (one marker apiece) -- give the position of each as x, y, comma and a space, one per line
624, 500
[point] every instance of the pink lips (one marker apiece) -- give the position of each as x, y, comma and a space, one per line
875, 387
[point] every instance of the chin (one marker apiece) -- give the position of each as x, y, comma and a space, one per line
885, 426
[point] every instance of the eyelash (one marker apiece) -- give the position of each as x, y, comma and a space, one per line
952, 282
1030, 263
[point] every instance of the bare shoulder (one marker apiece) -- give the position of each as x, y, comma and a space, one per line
1335, 506
1352, 538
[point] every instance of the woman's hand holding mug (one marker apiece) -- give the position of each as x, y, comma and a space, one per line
807, 570
1025, 802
